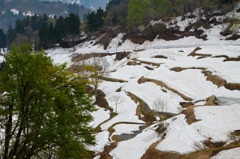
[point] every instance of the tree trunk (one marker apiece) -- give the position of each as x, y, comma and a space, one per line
8, 133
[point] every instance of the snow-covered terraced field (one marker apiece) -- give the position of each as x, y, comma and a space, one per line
173, 79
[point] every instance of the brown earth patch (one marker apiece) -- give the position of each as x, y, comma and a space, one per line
148, 117
132, 63
112, 79
190, 116
208, 153
211, 100
149, 68
232, 59
148, 114
193, 53
214, 78
160, 56
179, 69
162, 84
233, 37
148, 63
210, 144
107, 149
232, 86
100, 99
119, 89
122, 55
220, 56
153, 153
82, 57
186, 104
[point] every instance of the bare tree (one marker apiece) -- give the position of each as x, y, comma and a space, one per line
160, 105
93, 70
116, 99
100, 69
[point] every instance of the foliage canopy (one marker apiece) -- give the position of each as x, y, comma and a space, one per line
44, 109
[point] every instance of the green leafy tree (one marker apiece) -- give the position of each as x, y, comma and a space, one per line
44, 109
135, 13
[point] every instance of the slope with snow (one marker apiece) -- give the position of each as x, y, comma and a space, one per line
175, 79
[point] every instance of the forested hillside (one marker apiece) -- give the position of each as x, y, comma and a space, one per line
140, 19
12, 10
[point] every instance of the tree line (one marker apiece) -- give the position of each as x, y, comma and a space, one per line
46, 32
41, 30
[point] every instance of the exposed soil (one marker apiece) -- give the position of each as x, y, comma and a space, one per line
179, 69
190, 116
100, 99
133, 63
186, 104
153, 153
233, 37
162, 84
211, 144
121, 55
232, 86
160, 56
232, 59
112, 79
107, 149
193, 53
82, 57
215, 79
210, 152
148, 63
148, 114
211, 101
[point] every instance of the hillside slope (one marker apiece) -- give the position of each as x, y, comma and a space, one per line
176, 99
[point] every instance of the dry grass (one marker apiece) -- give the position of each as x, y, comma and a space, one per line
162, 84
153, 153
107, 149
232, 86
82, 57
214, 78
189, 112
141, 109
112, 79
160, 56
211, 100
232, 59
186, 104
98, 128
208, 153
193, 53
133, 63
148, 63
100, 99
179, 69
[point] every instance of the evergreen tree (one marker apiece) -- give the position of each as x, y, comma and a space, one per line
44, 110
3, 39
11, 35
59, 30
72, 23
43, 35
